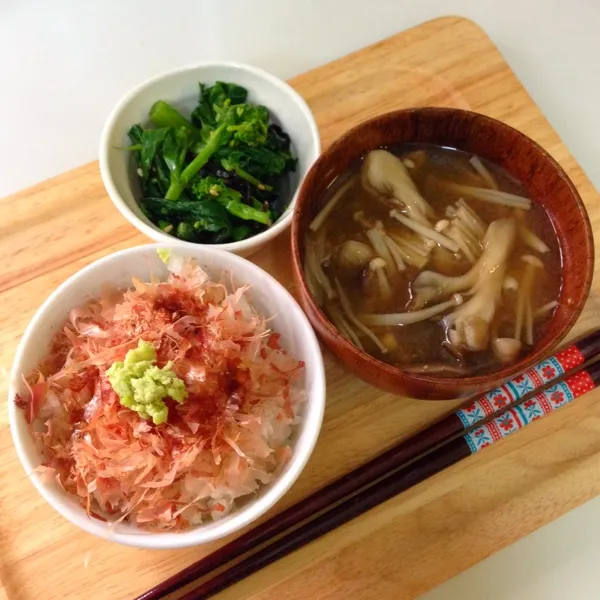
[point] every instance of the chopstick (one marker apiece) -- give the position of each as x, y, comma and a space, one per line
473, 413
545, 372
449, 454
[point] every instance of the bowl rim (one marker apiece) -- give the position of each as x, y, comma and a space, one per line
105, 148
394, 372
312, 417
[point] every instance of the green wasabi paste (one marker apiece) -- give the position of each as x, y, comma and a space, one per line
142, 386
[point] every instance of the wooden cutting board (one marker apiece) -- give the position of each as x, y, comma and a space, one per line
411, 543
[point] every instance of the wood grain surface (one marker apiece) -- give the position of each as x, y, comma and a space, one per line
409, 544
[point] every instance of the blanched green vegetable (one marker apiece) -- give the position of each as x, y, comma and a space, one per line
212, 188
209, 219
216, 95
228, 165
163, 114
214, 141
227, 143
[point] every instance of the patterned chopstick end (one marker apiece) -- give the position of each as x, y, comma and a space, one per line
548, 370
534, 408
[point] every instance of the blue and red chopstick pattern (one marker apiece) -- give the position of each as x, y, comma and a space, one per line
518, 387
535, 407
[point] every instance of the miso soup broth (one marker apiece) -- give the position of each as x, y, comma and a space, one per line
434, 260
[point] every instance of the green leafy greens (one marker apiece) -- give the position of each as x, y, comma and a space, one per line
218, 176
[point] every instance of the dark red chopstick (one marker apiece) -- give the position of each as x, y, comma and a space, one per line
477, 411
306, 508
453, 452
450, 453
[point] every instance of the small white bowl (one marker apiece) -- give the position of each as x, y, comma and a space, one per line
268, 296
180, 88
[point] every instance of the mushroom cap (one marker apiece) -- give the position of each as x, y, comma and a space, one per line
354, 255
534, 261
476, 333
510, 283
377, 263
506, 350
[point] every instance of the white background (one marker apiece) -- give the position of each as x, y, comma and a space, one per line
64, 64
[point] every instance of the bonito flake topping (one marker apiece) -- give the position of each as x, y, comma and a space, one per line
228, 436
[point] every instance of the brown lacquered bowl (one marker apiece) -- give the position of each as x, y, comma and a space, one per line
546, 183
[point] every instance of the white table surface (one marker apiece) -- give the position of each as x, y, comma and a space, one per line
64, 63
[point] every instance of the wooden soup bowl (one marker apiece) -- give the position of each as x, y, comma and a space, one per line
545, 182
